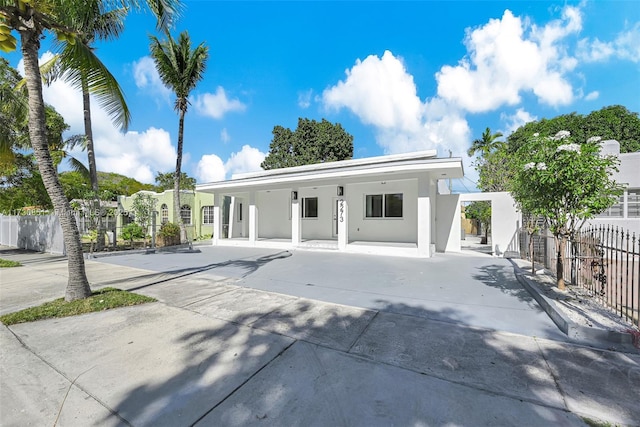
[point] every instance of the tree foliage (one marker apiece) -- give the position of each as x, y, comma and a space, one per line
612, 122
564, 182
481, 211
32, 21
143, 207
120, 184
311, 142
165, 181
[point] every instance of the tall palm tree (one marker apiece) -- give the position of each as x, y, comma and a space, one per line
93, 23
32, 20
486, 144
180, 68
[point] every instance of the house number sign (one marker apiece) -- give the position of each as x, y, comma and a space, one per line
341, 210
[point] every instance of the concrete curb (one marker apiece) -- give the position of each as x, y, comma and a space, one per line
578, 333
186, 247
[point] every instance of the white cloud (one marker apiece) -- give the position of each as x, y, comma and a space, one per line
516, 120
504, 60
224, 136
592, 96
304, 98
382, 93
248, 159
210, 168
136, 154
625, 46
216, 105
146, 77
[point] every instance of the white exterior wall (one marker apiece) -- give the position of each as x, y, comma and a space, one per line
629, 175
505, 218
448, 223
383, 229
274, 221
239, 228
321, 227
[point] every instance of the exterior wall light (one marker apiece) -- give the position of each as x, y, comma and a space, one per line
294, 195
340, 190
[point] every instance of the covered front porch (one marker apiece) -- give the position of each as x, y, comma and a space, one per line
383, 205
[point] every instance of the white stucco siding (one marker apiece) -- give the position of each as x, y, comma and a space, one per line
322, 226
274, 220
238, 220
383, 229
448, 223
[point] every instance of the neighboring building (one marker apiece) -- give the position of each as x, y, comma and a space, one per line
386, 205
196, 211
626, 213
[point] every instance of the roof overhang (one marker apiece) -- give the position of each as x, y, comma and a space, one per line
402, 166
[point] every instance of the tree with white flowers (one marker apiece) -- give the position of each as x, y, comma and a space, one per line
566, 183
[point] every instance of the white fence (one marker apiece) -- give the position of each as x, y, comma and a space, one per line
32, 232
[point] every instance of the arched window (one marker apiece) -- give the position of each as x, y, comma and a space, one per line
185, 214
164, 212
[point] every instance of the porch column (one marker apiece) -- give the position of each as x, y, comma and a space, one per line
217, 219
253, 218
343, 224
424, 217
232, 218
296, 222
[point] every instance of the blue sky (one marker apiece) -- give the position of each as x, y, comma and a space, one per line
399, 76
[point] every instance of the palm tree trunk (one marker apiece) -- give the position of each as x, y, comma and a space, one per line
77, 285
176, 181
93, 171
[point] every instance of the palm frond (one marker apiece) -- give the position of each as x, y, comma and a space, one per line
79, 140
82, 66
77, 166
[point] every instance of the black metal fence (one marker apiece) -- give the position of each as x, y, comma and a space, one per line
604, 260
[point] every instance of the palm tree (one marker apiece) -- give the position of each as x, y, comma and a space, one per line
93, 23
180, 69
31, 20
486, 144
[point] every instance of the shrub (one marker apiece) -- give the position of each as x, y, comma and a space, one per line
132, 231
169, 234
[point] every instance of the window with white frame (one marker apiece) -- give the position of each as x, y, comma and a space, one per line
383, 205
207, 214
310, 207
633, 203
185, 214
164, 213
614, 211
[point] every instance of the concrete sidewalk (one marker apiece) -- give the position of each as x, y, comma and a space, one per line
211, 352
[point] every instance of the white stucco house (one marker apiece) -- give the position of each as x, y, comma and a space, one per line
386, 205
625, 214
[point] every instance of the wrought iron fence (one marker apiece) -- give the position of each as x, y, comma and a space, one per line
604, 260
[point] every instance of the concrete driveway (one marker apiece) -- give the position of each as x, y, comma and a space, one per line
214, 351
468, 288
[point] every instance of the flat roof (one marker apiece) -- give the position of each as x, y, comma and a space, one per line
395, 164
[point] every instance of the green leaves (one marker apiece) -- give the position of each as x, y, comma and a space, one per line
179, 66
562, 181
311, 142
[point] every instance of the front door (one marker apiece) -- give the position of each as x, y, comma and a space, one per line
334, 223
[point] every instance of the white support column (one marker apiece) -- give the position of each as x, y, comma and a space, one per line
424, 217
253, 218
217, 219
296, 221
232, 217
343, 224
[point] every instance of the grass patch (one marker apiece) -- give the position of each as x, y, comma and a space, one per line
103, 299
596, 423
4, 263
